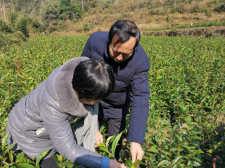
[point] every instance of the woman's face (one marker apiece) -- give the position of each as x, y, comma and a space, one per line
89, 101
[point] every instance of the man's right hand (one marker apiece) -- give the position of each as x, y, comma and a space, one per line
115, 164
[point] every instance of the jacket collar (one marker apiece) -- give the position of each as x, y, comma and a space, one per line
66, 96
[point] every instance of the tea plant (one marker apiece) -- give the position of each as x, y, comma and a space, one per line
18, 159
185, 126
108, 148
9, 159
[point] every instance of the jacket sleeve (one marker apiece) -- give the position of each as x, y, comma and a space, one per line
60, 132
86, 51
139, 95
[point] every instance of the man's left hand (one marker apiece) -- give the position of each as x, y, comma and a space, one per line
136, 151
98, 138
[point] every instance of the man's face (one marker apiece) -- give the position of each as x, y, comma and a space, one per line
121, 51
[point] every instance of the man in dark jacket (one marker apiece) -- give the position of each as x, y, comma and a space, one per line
121, 49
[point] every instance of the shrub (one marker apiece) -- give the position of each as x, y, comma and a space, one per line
2, 40
18, 27
37, 26
11, 38
195, 8
52, 11
221, 8
76, 12
208, 13
64, 16
4, 27
21, 25
54, 22
86, 27
13, 16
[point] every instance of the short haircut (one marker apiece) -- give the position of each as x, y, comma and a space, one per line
93, 79
124, 29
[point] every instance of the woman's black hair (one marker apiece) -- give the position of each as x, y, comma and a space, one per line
93, 79
124, 29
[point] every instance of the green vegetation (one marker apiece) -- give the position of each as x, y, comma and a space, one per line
63, 10
186, 117
68, 11
17, 27
55, 14
168, 6
206, 24
220, 8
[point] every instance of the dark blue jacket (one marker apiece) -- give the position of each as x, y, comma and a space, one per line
131, 85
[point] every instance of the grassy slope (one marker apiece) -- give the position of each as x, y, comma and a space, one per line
156, 15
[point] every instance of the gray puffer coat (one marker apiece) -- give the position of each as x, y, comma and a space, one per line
51, 107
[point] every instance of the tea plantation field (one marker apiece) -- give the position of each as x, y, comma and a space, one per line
186, 124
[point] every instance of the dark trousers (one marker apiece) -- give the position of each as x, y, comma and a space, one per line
48, 163
116, 125
45, 163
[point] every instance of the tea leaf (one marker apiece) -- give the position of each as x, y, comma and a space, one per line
25, 165
11, 157
4, 140
153, 150
42, 155
115, 142
10, 147
196, 164
60, 158
164, 163
176, 160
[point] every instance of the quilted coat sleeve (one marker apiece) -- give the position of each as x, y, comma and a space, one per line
139, 95
59, 129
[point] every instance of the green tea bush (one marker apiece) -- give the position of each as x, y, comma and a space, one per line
185, 126
187, 88
7, 39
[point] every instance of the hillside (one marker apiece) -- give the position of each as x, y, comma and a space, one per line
149, 15
77, 17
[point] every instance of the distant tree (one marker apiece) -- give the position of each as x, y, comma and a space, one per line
76, 11
65, 10
21, 25
52, 11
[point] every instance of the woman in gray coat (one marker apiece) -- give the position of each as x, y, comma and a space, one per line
41, 119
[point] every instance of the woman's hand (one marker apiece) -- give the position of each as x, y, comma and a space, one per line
98, 138
115, 164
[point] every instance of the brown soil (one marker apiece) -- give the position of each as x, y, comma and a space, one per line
214, 31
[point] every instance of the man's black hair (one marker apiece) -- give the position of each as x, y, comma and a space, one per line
93, 79
124, 29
